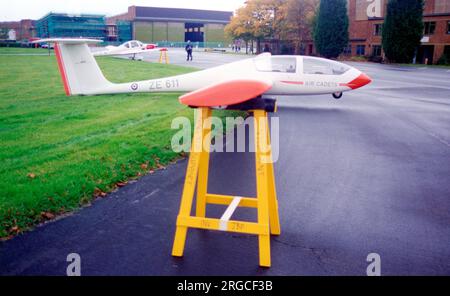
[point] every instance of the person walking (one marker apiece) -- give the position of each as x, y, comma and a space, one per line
189, 50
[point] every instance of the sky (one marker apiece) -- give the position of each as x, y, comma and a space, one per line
34, 9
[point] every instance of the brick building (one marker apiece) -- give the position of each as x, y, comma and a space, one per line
366, 21
153, 24
24, 29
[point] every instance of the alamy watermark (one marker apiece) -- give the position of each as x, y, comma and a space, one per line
74, 267
374, 268
239, 136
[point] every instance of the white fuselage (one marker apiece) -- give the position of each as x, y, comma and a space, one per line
262, 75
294, 82
128, 48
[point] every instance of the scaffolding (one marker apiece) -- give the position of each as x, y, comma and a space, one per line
124, 31
66, 25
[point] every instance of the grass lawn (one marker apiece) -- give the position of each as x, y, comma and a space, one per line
20, 50
59, 152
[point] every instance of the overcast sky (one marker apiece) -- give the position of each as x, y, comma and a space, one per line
14, 10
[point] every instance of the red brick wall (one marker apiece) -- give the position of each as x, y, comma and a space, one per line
24, 28
127, 16
361, 32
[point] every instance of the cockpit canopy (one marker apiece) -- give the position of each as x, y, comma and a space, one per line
134, 44
288, 64
313, 65
266, 63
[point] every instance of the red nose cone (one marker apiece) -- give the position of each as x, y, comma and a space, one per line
361, 80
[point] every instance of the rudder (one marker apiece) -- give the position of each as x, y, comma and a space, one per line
79, 70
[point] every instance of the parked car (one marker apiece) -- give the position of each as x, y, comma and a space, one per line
46, 45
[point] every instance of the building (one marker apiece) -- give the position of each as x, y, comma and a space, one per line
68, 25
366, 22
21, 30
153, 24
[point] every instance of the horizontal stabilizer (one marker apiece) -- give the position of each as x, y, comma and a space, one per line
67, 40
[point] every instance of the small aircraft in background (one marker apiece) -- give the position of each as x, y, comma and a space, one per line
221, 86
131, 48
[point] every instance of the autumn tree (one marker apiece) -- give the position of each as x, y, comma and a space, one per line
241, 26
274, 20
257, 20
331, 28
299, 15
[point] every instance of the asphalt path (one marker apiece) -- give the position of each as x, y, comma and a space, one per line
369, 173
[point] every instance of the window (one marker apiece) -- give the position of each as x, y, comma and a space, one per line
377, 29
429, 28
276, 64
376, 50
321, 66
448, 27
134, 44
360, 49
348, 50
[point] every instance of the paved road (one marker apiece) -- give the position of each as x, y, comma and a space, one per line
201, 59
367, 173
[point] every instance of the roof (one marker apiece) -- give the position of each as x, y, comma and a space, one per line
156, 13
52, 14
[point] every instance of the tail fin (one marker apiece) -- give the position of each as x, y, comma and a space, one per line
79, 70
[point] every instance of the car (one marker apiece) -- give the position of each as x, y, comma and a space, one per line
47, 45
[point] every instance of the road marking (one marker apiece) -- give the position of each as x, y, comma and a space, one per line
151, 193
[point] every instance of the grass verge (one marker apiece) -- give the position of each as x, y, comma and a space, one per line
59, 152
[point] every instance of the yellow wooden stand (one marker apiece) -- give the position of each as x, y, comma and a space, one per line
163, 56
197, 170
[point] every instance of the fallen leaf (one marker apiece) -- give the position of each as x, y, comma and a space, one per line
31, 175
15, 229
144, 166
47, 215
121, 184
151, 171
99, 193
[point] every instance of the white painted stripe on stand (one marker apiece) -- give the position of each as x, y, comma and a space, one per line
228, 212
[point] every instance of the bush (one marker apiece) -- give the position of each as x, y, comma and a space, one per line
376, 59
444, 60
9, 44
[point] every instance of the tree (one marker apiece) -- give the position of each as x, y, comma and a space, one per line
257, 20
275, 20
402, 29
241, 26
299, 16
331, 28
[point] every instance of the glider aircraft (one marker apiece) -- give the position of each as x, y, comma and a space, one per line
229, 84
132, 48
